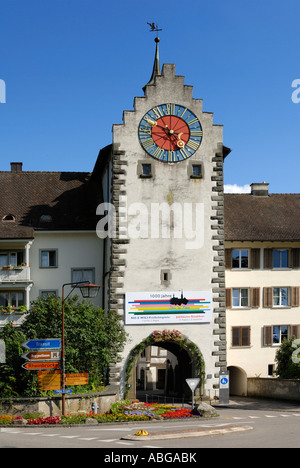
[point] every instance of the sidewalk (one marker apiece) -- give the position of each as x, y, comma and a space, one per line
237, 402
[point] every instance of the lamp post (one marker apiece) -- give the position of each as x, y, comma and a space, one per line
88, 290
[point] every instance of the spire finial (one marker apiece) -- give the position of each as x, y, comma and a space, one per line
156, 66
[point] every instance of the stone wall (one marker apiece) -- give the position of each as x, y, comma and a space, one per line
52, 406
274, 388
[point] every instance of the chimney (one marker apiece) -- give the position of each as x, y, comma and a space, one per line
16, 166
260, 189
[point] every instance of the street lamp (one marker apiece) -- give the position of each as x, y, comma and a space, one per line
88, 290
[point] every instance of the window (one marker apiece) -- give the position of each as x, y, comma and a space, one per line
146, 170
48, 258
240, 297
280, 258
240, 259
196, 171
240, 336
11, 298
10, 258
48, 293
280, 297
275, 334
83, 274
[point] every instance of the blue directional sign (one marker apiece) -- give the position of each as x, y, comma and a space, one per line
45, 343
67, 390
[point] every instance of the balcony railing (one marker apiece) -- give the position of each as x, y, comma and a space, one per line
14, 274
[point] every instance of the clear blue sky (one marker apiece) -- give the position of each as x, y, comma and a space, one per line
72, 66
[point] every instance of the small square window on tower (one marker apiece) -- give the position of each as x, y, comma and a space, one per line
195, 170
145, 169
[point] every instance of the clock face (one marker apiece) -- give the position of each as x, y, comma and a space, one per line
170, 133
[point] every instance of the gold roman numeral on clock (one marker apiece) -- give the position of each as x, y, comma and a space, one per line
193, 144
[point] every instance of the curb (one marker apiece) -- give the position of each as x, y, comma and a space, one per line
201, 432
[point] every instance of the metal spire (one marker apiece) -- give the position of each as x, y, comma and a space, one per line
156, 66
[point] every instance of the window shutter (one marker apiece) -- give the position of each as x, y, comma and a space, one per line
255, 297
255, 259
228, 258
235, 336
295, 299
229, 298
295, 331
268, 258
245, 336
295, 258
268, 332
268, 297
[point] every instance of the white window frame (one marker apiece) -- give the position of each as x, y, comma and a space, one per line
240, 297
281, 267
281, 335
281, 297
240, 259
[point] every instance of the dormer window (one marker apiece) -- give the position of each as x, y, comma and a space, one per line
46, 218
9, 218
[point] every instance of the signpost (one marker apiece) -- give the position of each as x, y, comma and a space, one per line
40, 365
224, 388
49, 380
45, 343
42, 356
193, 384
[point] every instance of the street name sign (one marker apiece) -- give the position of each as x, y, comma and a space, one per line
42, 356
40, 365
45, 343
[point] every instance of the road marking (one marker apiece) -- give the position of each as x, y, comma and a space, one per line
49, 435
87, 438
69, 437
270, 416
125, 443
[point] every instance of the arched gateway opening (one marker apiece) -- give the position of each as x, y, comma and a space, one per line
161, 363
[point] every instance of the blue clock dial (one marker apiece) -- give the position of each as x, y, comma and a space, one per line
170, 133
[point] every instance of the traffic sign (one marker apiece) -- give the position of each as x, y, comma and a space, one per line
42, 356
45, 343
192, 383
40, 365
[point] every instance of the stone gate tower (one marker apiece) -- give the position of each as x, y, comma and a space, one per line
163, 176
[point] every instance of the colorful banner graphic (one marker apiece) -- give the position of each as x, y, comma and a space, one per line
168, 307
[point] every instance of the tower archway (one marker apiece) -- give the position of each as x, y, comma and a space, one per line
189, 363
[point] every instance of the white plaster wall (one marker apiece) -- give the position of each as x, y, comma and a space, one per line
75, 250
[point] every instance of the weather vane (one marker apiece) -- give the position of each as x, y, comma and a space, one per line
154, 28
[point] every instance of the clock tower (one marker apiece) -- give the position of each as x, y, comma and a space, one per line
164, 275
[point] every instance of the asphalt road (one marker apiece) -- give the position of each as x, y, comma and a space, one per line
269, 425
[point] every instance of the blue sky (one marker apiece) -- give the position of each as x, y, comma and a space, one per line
72, 66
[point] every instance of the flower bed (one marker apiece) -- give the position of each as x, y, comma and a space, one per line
121, 411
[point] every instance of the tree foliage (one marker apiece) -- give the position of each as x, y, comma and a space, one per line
93, 340
286, 368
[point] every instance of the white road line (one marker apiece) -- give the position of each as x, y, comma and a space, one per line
87, 438
69, 437
270, 416
125, 443
49, 435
